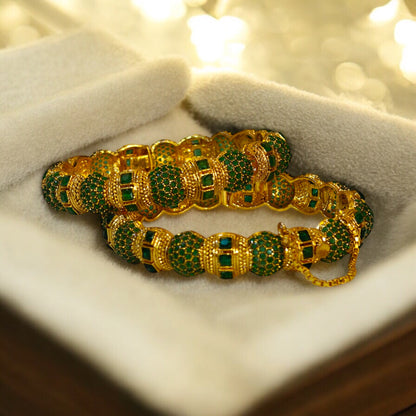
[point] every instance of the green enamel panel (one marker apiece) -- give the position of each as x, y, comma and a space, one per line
304, 235
208, 195
307, 252
126, 177
146, 253
207, 180
127, 194
202, 164
225, 259
225, 242
226, 275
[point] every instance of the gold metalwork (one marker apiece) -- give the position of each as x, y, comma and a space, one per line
311, 196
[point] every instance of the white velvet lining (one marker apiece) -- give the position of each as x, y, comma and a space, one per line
203, 346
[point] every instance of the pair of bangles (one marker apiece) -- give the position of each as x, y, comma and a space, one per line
245, 170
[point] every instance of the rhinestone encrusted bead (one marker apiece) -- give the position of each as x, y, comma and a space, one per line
240, 170
166, 186
92, 194
183, 253
50, 185
283, 149
364, 216
123, 241
281, 192
268, 253
338, 238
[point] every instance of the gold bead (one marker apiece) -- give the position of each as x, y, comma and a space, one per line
226, 255
151, 248
307, 194
165, 153
303, 246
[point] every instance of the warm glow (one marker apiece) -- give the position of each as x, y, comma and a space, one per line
405, 32
161, 10
408, 62
218, 40
385, 13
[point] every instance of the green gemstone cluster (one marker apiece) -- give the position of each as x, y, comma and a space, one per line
223, 143
123, 240
338, 237
283, 149
101, 163
166, 186
239, 168
364, 215
183, 253
281, 192
268, 253
50, 187
92, 194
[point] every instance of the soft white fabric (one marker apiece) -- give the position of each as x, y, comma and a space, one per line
65, 92
203, 346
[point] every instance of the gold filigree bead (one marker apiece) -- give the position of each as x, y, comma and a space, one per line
164, 153
134, 157
105, 163
303, 246
307, 194
151, 248
204, 180
74, 194
195, 146
260, 161
253, 195
226, 255
243, 138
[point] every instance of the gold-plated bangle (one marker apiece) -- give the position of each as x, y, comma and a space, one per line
246, 170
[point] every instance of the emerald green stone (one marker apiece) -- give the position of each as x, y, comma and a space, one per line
312, 203
129, 151
272, 161
64, 197
315, 192
266, 146
197, 152
307, 252
226, 275
149, 268
207, 180
149, 236
248, 198
65, 180
202, 164
225, 242
225, 259
195, 141
146, 253
208, 195
359, 217
128, 162
304, 235
127, 194
248, 187
131, 207
126, 177
71, 211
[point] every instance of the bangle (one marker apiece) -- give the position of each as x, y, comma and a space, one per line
245, 170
